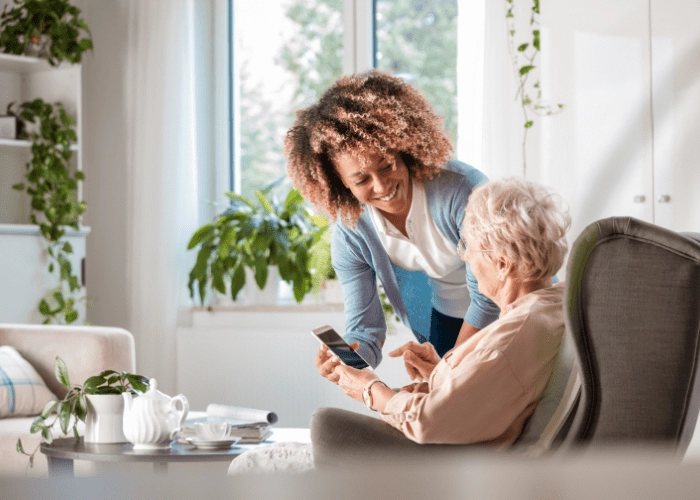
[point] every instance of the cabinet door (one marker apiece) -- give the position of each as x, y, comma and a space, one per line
597, 152
675, 50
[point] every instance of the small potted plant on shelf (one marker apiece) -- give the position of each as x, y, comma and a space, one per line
50, 29
255, 236
98, 402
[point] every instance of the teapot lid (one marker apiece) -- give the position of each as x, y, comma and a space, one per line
153, 392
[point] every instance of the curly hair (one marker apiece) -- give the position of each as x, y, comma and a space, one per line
368, 113
522, 221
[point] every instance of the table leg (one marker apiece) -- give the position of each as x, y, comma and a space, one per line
60, 467
160, 468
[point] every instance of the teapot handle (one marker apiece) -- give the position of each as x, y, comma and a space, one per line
183, 413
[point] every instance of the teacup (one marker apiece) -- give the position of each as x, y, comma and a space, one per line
211, 431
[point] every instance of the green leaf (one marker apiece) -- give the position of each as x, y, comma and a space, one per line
44, 308
105, 389
18, 187
261, 272
62, 373
48, 408
237, 280
64, 417
560, 106
525, 70
79, 175
264, 202
293, 198
67, 248
75, 431
240, 199
138, 382
92, 383
523, 47
107, 373
536, 39
528, 124
71, 316
20, 448
199, 235
46, 435
38, 424
80, 409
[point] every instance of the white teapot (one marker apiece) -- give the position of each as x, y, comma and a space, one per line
152, 420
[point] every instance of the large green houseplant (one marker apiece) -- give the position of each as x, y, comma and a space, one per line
51, 29
255, 236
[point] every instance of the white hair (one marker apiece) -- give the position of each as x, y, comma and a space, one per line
520, 220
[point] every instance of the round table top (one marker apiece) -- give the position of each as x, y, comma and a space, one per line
72, 449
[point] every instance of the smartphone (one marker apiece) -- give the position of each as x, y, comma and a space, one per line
326, 335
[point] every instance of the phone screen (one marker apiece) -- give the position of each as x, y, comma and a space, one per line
340, 348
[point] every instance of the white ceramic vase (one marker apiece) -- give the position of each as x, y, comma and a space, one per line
268, 295
104, 422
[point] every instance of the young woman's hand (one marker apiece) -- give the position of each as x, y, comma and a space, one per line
419, 359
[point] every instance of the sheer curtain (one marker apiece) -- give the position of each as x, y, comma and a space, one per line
161, 161
491, 124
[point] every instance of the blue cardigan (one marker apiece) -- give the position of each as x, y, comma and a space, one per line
359, 258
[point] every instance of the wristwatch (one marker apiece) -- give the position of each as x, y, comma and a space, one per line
367, 393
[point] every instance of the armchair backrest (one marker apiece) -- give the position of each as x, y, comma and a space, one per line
87, 350
633, 310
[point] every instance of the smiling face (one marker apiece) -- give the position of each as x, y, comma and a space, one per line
380, 181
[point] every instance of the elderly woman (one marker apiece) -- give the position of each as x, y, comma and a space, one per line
374, 156
484, 389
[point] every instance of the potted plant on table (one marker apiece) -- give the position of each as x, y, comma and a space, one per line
50, 29
99, 394
255, 236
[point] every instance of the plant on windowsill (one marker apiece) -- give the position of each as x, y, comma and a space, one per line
255, 236
53, 185
74, 405
50, 29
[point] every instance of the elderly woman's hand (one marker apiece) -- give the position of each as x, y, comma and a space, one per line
419, 359
326, 362
352, 380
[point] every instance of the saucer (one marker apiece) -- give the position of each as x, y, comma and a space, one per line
219, 444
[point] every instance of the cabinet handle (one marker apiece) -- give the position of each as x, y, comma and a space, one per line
640, 198
664, 198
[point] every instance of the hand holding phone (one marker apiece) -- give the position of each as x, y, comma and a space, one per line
328, 336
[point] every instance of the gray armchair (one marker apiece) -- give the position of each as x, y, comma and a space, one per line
633, 301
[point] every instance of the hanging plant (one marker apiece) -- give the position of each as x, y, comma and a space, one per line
52, 186
524, 54
51, 29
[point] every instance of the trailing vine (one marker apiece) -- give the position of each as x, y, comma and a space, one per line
52, 186
524, 56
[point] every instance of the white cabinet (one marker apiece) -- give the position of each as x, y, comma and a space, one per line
23, 262
625, 144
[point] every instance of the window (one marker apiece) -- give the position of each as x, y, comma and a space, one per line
285, 53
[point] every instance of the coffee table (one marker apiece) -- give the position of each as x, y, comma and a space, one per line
62, 452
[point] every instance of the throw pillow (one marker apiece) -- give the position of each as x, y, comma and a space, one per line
22, 390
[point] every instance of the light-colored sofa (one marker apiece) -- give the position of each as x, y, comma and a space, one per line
87, 350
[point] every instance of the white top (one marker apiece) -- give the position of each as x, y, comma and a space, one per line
426, 249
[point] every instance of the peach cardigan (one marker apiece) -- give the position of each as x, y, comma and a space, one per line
484, 390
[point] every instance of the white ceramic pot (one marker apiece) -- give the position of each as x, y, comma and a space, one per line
104, 422
268, 295
152, 420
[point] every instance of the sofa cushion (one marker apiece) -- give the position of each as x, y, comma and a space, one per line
22, 390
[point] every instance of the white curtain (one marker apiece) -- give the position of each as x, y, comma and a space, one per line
162, 183
490, 117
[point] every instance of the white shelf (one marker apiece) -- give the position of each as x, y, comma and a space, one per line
13, 143
23, 64
33, 230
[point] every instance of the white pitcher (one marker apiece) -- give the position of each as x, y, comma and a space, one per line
152, 420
